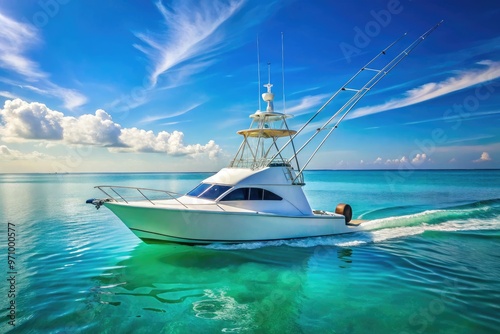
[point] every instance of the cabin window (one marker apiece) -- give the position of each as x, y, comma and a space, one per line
240, 194
256, 194
270, 196
214, 191
252, 194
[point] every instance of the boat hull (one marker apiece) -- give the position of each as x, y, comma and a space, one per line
189, 226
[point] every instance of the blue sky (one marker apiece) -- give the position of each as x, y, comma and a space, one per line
89, 86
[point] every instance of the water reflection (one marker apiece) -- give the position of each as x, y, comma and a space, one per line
177, 288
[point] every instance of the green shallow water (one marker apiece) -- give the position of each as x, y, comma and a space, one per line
428, 264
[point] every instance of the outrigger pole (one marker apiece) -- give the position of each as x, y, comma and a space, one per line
349, 105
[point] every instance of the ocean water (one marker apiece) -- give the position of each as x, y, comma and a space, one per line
428, 263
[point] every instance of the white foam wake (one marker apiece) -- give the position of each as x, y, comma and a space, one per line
379, 230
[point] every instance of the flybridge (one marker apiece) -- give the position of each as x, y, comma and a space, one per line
260, 148
256, 150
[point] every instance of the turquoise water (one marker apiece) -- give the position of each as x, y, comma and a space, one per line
429, 263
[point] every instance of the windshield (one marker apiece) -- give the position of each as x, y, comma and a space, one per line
208, 191
199, 189
214, 191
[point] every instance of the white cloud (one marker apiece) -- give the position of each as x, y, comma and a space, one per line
485, 156
22, 120
16, 39
137, 140
98, 129
396, 161
70, 97
403, 161
307, 104
190, 33
30, 121
458, 118
10, 154
150, 119
419, 159
490, 70
8, 95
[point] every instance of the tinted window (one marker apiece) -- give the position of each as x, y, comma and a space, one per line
199, 189
240, 194
214, 191
270, 196
256, 194
253, 194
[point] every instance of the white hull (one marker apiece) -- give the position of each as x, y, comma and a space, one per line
207, 226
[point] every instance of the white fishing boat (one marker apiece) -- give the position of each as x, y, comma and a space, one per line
259, 196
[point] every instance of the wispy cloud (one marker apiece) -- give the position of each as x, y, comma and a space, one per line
17, 39
467, 139
307, 104
8, 95
476, 115
489, 70
151, 119
190, 32
468, 149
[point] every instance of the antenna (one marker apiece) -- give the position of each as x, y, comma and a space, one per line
268, 73
258, 72
283, 69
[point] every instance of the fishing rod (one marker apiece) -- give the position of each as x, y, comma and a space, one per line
359, 94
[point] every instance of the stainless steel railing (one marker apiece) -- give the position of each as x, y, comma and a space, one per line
120, 197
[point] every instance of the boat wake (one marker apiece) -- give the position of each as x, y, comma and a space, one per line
477, 216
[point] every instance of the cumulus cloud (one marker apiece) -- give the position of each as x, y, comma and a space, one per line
10, 154
396, 161
21, 120
137, 140
490, 70
419, 158
98, 129
30, 121
485, 156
